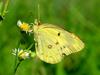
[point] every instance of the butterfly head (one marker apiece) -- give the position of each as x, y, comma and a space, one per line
37, 25
37, 22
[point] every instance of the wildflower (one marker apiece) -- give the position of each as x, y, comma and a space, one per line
24, 26
23, 54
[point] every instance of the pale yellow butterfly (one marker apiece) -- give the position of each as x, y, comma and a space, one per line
53, 42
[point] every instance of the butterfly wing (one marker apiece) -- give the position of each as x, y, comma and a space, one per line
53, 43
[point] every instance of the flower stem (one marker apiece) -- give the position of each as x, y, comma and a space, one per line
30, 47
16, 59
15, 70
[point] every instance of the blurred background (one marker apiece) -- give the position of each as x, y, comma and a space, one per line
81, 17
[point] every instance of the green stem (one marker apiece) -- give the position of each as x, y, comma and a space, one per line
30, 47
5, 8
60, 69
16, 58
17, 67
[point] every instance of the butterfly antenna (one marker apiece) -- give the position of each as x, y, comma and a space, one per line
37, 20
38, 12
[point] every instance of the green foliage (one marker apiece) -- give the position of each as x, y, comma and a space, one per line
81, 17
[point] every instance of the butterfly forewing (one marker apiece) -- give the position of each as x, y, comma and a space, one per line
47, 49
54, 42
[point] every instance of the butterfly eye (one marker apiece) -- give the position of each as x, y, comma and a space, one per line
59, 34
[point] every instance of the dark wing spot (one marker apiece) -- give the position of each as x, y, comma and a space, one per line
49, 46
64, 47
59, 34
61, 48
57, 43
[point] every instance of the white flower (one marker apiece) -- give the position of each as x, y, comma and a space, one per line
22, 54
24, 26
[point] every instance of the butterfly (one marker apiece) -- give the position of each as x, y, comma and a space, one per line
52, 43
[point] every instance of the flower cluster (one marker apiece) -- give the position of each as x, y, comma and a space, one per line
23, 54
